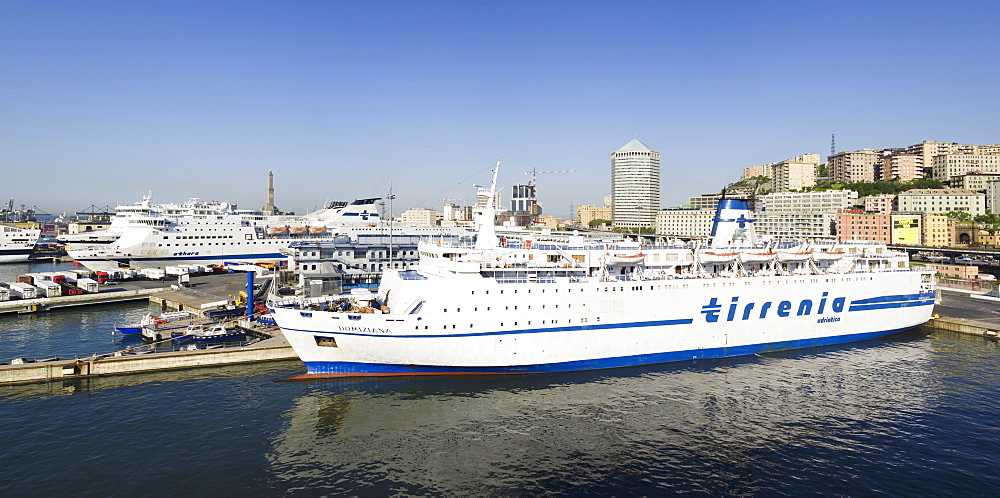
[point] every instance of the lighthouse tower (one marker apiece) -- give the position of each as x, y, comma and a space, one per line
268, 207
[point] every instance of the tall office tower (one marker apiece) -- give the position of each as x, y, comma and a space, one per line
635, 186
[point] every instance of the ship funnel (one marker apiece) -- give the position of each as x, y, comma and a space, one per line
732, 224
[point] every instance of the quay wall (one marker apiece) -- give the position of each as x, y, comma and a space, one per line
963, 326
48, 303
42, 371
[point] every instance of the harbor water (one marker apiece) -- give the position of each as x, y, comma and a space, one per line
913, 414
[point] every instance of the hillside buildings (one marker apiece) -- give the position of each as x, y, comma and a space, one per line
587, 213
424, 217
635, 185
902, 167
948, 166
940, 201
973, 181
679, 222
791, 174
854, 166
829, 201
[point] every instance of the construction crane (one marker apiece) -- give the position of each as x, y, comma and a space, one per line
532, 191
534, 173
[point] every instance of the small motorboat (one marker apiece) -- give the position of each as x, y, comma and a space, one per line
151, 320
215, 332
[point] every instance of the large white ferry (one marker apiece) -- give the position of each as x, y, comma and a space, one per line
143, 214
16, 244
503, 306
207, 236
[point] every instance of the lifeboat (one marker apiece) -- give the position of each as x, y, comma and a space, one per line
756, 256
317, 230
298, 230
717, 257
828, 255
792, 256
276, 230
627, 258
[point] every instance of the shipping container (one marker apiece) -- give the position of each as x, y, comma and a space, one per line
23, 290
70, 290
82, 274
176, 270
49, 289
87, 284
154, 273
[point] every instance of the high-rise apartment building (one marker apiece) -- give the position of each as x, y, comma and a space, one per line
424, 217
993, 196
635, 185
790, 174
935, 230
795, 226
587, 213
854, 166
940, 201
902, 167
859, 225
692, 223
948, 166
879, 203
973, 181
827, 201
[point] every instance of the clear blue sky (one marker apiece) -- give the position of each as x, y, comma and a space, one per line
101, 101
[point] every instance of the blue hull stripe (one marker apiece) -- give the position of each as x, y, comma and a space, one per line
882, 306
655, 323
896, 301
337, 368
15, 252
902, 297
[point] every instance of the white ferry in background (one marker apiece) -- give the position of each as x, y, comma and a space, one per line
235, 236
507, 306
17, 244
141, 214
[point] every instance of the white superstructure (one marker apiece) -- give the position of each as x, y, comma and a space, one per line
517, 306
16, 244
142, 214
232, 236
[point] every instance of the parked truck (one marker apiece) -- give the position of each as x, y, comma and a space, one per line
154, 273
48, 288
23, 290
88, 285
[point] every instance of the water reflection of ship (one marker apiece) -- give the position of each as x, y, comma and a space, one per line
428, 434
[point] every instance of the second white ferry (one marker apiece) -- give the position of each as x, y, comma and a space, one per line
212, 237
17, 244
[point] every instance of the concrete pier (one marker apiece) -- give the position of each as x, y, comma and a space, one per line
967, 312
51, 303
273, 349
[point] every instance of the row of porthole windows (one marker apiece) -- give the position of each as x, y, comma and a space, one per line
507, 308
615, 289
202, 244
544, 322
